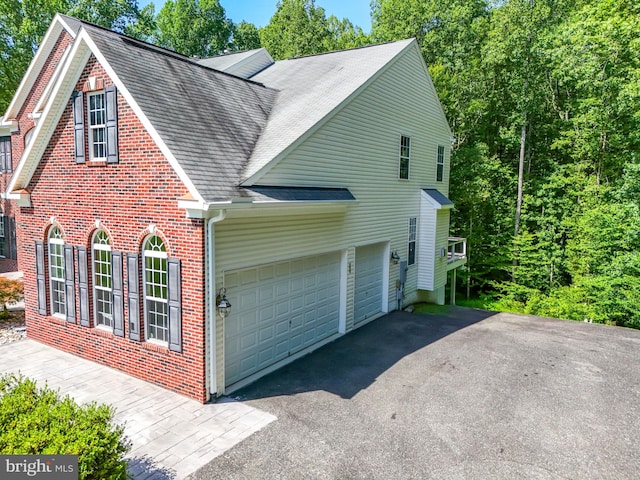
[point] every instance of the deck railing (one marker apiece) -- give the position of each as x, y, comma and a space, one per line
457, 249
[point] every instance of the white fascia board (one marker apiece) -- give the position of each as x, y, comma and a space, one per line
142, 117
261, 172
37, 111
51, 114
42, 54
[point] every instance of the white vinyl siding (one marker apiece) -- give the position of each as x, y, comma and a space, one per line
356, 149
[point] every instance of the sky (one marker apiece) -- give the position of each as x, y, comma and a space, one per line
259, 12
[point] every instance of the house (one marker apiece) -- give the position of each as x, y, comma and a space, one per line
155, 189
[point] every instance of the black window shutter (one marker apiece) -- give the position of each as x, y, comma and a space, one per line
69, 284
12, 238
118, 294
83, 286
111, 107
134, 296
40, 279
78, 125
175, 305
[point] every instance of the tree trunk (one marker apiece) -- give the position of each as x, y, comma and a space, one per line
523, 139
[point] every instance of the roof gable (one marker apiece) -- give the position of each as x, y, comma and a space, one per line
206, 137
312, 90
59, 24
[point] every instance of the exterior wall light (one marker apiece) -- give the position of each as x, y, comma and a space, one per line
222, 304
395, 258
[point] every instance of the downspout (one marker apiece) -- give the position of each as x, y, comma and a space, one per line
211, 277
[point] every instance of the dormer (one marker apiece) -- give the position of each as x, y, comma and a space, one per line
241, 64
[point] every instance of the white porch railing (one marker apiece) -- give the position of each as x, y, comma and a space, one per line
457, 250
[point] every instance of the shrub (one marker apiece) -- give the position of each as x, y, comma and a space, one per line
39, 421
10, 291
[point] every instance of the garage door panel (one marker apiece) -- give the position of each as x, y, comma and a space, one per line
368, 281
291, 305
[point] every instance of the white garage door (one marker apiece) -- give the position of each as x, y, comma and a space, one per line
278, 310
368, 283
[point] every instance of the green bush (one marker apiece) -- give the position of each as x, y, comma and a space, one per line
39, 421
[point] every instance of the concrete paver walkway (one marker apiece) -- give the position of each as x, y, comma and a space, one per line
172, 436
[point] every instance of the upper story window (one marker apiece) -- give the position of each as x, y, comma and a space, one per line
440, 164
5, 155
405, 155
100, 113
102, 286
155, 287
56, 272
97, 126
413, 234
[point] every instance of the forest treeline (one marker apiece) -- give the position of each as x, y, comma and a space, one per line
543, 98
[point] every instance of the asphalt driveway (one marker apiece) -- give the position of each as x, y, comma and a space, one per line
469, 394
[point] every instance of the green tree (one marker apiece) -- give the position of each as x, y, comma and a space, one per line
23, 24
297, 28
193, 27
245, 37
344, 35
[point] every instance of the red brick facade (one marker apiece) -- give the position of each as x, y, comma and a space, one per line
126, 198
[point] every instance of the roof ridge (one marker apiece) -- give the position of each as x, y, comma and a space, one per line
166, 51
361, 47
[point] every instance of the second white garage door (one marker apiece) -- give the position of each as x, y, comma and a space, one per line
369, 282
278, 310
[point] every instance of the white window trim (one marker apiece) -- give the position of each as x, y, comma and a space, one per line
91, 128
440, 163
105, 248
161, 255
412, 237
401, 157
52, 279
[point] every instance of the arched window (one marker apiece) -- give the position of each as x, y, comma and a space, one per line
154, 261
102, 286
56, 271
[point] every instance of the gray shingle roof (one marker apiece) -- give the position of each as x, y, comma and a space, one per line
73, 23
222, 62
311, 88
222, 129
209, 120
437, 196
299, 194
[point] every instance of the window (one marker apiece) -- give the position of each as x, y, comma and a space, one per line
411, 254
5, 155
440, 164
154, 264
102, 286
56, 271
405, 154
3, 238
97, 126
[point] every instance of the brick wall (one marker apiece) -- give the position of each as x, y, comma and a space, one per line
126, 198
